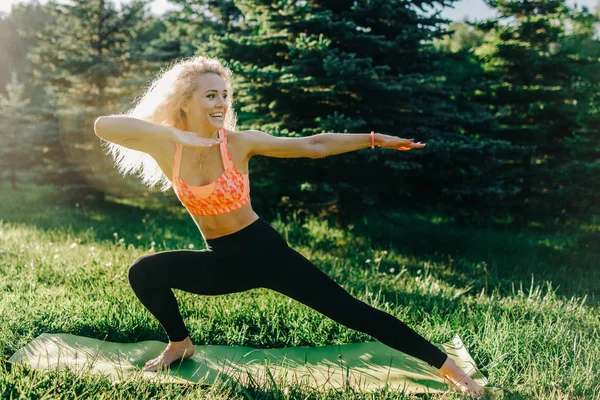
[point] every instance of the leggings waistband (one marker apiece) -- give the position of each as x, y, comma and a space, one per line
257, 233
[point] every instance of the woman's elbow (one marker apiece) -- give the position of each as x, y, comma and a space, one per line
108, 128
99, 125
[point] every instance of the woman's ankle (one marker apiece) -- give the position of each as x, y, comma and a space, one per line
448, 365
180, 342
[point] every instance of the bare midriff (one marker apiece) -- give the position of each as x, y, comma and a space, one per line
214, 226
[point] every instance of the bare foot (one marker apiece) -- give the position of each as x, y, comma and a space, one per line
174, 351
460, 379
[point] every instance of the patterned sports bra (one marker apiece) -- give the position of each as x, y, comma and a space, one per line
228, 193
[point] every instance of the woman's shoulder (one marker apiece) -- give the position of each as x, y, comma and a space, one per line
241, 140
231, 132
239, 137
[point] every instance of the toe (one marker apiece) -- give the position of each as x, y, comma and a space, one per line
150, 365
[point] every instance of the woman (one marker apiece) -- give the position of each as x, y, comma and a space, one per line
181, 133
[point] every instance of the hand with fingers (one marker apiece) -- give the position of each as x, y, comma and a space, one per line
394, 142
191, 139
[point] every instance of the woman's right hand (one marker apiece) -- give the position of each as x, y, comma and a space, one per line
192, 140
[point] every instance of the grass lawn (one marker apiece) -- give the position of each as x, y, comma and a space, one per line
524, 301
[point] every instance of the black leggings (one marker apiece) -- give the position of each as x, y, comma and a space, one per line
257, 256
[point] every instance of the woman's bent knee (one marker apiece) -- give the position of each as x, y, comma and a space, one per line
139, 268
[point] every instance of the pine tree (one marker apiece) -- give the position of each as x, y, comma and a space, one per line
91, 48
195, 29
37, 148
350, 66
580, 178
461, 37
15, 156
18, 33
471, 160
538, 104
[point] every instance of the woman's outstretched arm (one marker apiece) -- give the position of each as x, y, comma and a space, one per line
145, 136
117, 128
337, 143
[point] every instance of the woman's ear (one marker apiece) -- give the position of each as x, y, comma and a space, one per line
184, 107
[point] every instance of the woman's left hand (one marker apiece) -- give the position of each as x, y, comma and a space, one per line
394, 142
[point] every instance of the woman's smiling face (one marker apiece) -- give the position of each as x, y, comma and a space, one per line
207, 107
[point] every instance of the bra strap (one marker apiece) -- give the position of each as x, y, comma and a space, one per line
225, 155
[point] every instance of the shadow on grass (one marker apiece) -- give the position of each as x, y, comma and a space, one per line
475, 257
483, 257
167, 225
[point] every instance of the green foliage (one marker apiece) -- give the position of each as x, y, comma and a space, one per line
14, 141
461, 36
544, 105
88, 61
19, 31
508, 108
313, 67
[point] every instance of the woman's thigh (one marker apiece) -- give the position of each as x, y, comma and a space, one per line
297, 277
194, 271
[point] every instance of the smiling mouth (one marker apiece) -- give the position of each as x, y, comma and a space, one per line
216, 115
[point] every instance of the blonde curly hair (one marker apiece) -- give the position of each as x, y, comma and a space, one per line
161, 104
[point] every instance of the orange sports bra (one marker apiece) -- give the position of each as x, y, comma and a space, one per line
228, 193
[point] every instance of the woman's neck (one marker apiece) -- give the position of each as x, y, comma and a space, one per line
204, 132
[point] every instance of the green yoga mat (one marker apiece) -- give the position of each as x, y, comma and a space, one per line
359, 366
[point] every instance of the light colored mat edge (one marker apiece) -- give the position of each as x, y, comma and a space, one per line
358, 366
